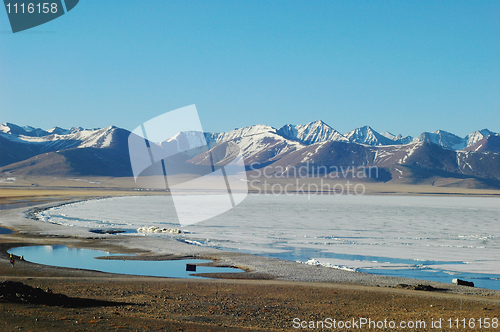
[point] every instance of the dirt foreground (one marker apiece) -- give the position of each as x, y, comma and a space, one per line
130, 303
161, 304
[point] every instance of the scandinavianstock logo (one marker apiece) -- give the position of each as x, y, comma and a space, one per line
171, 152
25, 15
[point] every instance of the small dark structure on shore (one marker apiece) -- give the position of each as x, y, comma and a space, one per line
462, 282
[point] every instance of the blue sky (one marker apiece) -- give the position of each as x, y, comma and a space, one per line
400, 66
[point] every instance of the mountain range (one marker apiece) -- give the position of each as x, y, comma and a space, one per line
439, 158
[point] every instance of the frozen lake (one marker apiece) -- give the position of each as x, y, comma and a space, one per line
433, 238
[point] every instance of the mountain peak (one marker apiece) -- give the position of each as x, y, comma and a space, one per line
12, 129
489, 143
443, 132
398, 139
366, 135
318, 122
388, 134
477, 136
486, 131
310, 133
442, 138
58, 131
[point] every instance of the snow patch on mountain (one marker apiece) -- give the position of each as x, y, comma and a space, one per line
413, 147
101, 138
462, 163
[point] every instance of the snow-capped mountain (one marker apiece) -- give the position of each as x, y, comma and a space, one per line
104, 152
414, 163
453, 142
311, 133
476, 136
398, 139
86, 150
366, 135
443, 138
12, 129
54, 139
390, 136
259, 144
489, 143
61, 131
28, 131
237, 133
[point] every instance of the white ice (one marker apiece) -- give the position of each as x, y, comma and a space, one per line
443, 229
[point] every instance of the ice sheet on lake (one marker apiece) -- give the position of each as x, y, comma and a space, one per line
353, 265
439, 229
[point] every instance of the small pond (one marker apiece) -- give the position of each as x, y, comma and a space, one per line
63, 256
5, 231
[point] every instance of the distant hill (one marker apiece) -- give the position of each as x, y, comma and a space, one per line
438, 158
98, 152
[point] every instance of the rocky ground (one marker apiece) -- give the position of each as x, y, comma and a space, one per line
94, 301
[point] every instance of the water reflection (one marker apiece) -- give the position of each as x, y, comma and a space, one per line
5, 231
63, 256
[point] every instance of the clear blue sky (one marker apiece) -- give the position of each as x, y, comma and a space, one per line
401, 66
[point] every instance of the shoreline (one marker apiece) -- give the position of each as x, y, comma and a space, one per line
156, 248
274, 295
